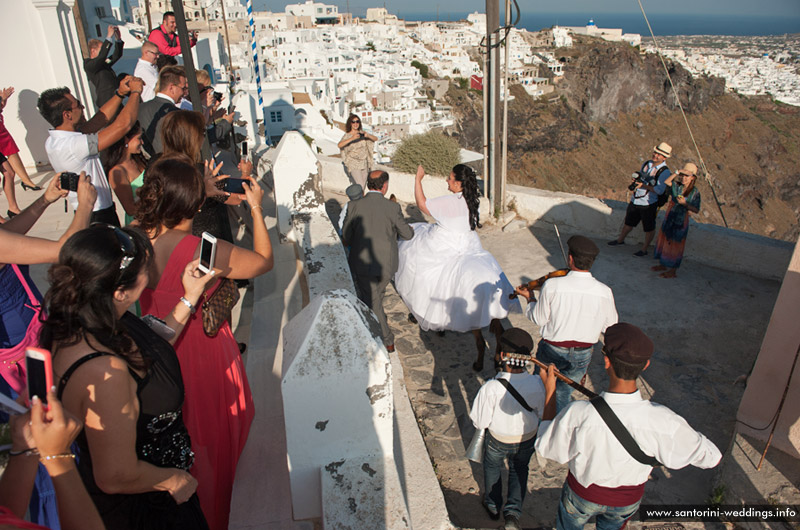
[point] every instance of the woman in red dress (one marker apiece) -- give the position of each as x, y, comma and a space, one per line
218, 408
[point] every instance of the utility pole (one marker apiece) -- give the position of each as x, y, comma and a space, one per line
149, 20
188, 64
491, 88
230, 57
506, 92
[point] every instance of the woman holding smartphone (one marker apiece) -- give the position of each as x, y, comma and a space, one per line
219, 408
20, 303
122, 379
356, 146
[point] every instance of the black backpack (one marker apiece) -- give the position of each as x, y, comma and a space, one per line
664, 196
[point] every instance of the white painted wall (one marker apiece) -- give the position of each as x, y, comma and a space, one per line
51, 58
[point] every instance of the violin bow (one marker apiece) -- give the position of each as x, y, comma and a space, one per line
561, 246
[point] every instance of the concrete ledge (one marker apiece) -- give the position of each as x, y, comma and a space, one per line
337, 393
725, 248
363, 493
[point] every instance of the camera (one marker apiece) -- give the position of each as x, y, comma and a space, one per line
218, 96
69, 181
639, 176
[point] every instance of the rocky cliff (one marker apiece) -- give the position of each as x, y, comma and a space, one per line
614, 104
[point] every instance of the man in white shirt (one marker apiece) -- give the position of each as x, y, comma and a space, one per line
75, 144
572, 312
604, 479
511, 426
146, 70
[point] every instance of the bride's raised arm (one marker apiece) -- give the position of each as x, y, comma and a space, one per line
419, 195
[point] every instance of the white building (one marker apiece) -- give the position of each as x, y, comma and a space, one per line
319, 12
380, 15
612, 35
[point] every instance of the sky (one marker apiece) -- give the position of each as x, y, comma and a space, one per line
699, 7
789, 8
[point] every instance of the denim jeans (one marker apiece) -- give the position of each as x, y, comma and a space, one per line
519, 456
572, 362
574, 512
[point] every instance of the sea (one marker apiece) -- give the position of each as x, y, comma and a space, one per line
633, 22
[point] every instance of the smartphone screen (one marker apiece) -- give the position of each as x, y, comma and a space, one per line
233, 185
37, 378
244, 149
206, 252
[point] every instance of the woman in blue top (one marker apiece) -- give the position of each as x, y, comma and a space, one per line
685, 198
19, 308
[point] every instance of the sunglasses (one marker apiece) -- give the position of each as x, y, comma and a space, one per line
356, 121
126, 246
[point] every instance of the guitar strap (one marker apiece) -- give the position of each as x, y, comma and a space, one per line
513, 392
621, 433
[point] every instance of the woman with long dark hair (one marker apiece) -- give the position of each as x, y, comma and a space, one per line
182, 133
445, 277
356, 146
122, 379
125, 169
219, 407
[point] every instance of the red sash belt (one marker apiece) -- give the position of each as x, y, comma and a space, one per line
616, 497
569, 344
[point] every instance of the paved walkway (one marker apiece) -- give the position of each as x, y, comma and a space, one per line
707, 325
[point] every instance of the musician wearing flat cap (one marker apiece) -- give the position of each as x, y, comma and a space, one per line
510, 407
609, 463
572, 312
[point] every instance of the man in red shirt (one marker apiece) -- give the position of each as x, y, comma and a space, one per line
166, 38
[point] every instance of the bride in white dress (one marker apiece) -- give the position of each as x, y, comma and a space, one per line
444, 275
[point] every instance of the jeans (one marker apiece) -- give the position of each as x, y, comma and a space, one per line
572, 362
574, 512
519, 456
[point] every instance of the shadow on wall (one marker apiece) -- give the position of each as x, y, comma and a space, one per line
35, 126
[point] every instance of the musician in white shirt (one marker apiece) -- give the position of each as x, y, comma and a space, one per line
604, 479
510, 427
572, 312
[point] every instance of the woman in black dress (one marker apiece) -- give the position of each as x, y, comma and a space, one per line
122, 379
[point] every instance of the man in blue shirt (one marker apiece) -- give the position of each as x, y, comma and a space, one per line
644, 202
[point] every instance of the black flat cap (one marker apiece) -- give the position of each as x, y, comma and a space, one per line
628, 343
583, 246
515, 340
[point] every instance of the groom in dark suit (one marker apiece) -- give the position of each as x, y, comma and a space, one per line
371, 228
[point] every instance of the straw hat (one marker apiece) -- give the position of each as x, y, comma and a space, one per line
663, 149
689, 169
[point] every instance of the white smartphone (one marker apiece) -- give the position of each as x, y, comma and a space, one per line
208, 253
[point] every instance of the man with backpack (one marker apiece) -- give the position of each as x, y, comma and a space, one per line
647, 186
166, 38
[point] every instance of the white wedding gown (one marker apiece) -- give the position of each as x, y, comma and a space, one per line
445, 277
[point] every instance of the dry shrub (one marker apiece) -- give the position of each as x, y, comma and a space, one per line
436, 152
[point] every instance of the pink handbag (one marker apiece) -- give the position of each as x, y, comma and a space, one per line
13, 359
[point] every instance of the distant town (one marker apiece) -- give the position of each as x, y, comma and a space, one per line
318, 65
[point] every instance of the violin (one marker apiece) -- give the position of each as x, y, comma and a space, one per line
538, 282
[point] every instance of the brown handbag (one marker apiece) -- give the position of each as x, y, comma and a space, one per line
217, 307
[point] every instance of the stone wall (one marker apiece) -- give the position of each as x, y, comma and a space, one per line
713, 245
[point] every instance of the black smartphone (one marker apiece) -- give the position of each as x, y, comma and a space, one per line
39, 366
244, 149
233, 185
69, 181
